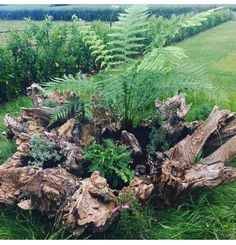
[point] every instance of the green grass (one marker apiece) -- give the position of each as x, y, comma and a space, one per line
210, 214
215, 49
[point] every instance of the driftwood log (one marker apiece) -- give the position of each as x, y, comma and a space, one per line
83, 202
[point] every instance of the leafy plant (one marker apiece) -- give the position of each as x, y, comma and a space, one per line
130, 90
73, 107
97, 47
135, 221
127, 37
111, 161
43, 152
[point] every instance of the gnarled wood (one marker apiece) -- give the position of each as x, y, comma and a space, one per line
187, 150
87, 203
81, 204
130, 140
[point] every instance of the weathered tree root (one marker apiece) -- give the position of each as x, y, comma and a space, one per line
82, 203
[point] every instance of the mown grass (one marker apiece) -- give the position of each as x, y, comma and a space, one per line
209, 214
215, 49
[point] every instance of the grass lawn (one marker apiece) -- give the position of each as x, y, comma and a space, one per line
215, 49
209, 215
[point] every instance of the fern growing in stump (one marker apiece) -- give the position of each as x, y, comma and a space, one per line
129, 91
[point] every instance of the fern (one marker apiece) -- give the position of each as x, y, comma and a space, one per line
191, 79
98, 48
163, 59
127, 38
129, 91
80, 84
71, 108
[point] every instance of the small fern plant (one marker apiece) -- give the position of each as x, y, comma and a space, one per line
111, 161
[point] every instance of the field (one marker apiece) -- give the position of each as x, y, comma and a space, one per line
210, 215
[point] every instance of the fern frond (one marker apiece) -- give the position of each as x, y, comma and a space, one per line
190, 79
127, 38
163, 59
81, 85
98, 48
71, 108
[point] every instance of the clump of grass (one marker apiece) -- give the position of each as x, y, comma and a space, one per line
17, 224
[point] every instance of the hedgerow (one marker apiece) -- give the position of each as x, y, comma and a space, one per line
94, 12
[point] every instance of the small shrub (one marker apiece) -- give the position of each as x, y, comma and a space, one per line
111, 161
9, 87
135, 222
43, 152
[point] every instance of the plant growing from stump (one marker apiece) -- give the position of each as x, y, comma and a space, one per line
43, 152
111, 161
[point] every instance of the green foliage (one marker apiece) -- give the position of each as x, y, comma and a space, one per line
8, 87
49, 103
135, 221
157, 136
97, 47
130, 90
102, 29
178, 27
42, 52
127, 37
43, 152
163, 59
77, 48
200, 112
81, 49
111, 161
81, 85
72, 108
